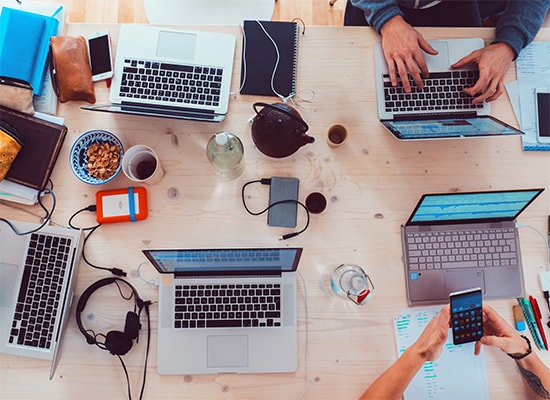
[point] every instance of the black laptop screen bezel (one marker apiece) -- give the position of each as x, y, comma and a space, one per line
410, 221
218, 272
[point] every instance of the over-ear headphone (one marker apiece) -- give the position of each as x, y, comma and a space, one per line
117, 343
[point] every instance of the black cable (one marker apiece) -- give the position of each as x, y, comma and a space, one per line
127, 377
146, 306
267, 181
47, 217
92, 229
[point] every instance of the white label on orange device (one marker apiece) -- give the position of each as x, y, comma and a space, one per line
118, 205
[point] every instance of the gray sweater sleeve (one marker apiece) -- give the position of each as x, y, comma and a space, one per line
517, 26
520, 22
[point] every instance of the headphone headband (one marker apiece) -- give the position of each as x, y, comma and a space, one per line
82, 301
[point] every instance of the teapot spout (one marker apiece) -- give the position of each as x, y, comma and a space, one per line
308, 139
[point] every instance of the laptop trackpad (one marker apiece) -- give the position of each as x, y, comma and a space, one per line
227, 351
439, 62
8, 277
456, 280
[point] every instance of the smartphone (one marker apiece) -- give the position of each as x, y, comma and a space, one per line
542, 107
466, 316
101, 60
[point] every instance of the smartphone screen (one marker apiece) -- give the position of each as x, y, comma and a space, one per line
543, 114
100, 56
466, 316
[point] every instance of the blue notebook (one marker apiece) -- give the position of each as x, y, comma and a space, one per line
24, 45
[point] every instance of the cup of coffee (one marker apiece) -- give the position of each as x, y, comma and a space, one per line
316, 203
141, 164
337, 135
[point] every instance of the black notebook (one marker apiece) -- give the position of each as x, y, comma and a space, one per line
259, 58
43, 140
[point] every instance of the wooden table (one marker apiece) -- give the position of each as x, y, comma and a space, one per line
371, 183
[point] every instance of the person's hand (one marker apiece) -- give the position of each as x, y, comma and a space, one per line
402, 45
492, 62
497, 332
430, 343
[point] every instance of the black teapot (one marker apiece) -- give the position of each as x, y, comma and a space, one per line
278, 130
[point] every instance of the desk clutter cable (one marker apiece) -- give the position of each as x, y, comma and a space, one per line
267, 181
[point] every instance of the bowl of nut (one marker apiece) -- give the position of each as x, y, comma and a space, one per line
96, 157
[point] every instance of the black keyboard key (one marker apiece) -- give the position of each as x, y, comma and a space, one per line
229, 323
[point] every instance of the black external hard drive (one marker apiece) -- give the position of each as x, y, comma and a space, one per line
283, 214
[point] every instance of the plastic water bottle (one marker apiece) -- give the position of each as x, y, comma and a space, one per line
225, 152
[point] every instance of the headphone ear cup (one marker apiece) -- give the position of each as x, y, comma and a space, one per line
117, 343
132, 326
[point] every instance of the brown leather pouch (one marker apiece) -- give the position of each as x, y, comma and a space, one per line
70, 69
16, 94
11, 142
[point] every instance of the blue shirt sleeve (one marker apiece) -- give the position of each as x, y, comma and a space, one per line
377, 13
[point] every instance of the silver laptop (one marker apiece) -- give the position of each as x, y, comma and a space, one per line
455, 241
171, 73
441, 110
37, 277
229, 310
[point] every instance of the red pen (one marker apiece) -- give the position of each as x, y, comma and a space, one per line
538, 318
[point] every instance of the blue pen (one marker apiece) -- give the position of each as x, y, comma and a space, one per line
57, 11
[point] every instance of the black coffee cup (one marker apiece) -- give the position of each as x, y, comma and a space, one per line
316, 202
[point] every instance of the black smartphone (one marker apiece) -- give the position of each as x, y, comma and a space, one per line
542, 107
101, 59
466, 316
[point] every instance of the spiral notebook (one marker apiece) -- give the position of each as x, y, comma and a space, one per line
269, 58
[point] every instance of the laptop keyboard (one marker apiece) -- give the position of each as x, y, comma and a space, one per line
460, 249
443, 91
41, 288
171, 83
227, 305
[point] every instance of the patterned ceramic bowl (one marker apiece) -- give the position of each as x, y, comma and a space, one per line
96, 157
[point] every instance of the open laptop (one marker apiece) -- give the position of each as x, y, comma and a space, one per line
441, 110
455, 241
171, 73
229, 310
37, 278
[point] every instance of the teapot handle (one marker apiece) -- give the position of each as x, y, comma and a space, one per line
274, 107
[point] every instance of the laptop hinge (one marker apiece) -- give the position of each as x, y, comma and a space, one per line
236, 274
408, 117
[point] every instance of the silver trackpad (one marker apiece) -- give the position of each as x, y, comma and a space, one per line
456, 280
8, 278
227, 351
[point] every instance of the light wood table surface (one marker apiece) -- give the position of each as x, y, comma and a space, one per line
371, 183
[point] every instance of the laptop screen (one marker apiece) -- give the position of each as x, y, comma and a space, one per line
224, 261
472, 207
434, 128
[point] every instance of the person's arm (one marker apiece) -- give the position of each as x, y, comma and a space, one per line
401, 43
498, 333
515, 29
520, 22
393, 382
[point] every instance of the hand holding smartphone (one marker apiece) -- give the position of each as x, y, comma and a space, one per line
466, 316
101, 60
542, 108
